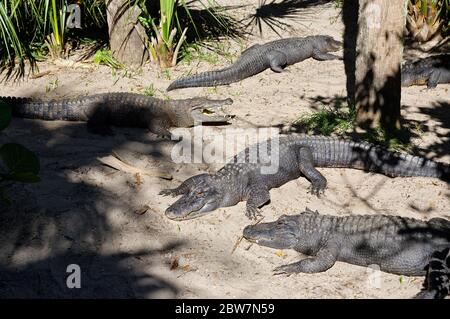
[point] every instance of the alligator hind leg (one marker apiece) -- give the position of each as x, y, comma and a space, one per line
306, 166
185, 187
324, 260
277, 60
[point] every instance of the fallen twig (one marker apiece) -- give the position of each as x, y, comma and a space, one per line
238, 241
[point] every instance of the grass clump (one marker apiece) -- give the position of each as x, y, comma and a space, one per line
341, 120
150, 90
400, 140
104, 56
327, 120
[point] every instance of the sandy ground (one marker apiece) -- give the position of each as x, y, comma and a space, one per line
87, 214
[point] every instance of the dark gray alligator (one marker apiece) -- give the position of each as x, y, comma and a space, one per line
259, 57
250, 177
430, 71
437, 282
393, 244
122, 109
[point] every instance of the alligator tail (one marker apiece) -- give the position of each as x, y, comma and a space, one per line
373, 158
210, 78
69, 110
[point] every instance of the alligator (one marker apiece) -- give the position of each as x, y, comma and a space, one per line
259, 57
122, 109
393, 244
437, 282
287, 157
430, 71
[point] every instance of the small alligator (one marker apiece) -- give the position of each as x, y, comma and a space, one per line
430, 71
246, 176
122, 109
259, 57
437, 282
393, 244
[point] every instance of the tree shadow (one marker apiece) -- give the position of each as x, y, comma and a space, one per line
411, 129
116, 275
274, 14
68, 217
439, 112
212, 23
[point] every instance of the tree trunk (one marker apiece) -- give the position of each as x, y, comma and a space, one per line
127, 37
378, 63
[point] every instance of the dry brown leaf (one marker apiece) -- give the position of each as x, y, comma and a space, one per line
142, 210
174, 264
138, 179
120, 165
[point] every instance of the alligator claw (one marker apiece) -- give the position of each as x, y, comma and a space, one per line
285, 270
168, 192
317, 190
253, 213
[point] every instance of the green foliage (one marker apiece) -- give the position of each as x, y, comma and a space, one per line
338, 3
341, 119
22, 164
397, 141
104, 56
5, 115
168, 27
54, 42
427, 18
194, 52
327, 120
18, 164
163, 47
27, 27
150, 90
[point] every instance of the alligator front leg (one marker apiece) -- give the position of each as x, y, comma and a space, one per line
324, 260
321, 56
433, 80
258, 196
306, 166
185, 187
277, 60
160, 126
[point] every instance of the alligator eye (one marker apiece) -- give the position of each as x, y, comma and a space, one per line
200, 193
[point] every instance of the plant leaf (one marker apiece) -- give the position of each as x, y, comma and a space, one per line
18, 159
25, 177
5, 115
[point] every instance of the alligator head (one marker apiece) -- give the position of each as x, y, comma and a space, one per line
326, 43
413, 77
280, 234
200, 200
201, 110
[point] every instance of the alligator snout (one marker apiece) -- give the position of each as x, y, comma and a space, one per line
174, 213
336, 45
249, 233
